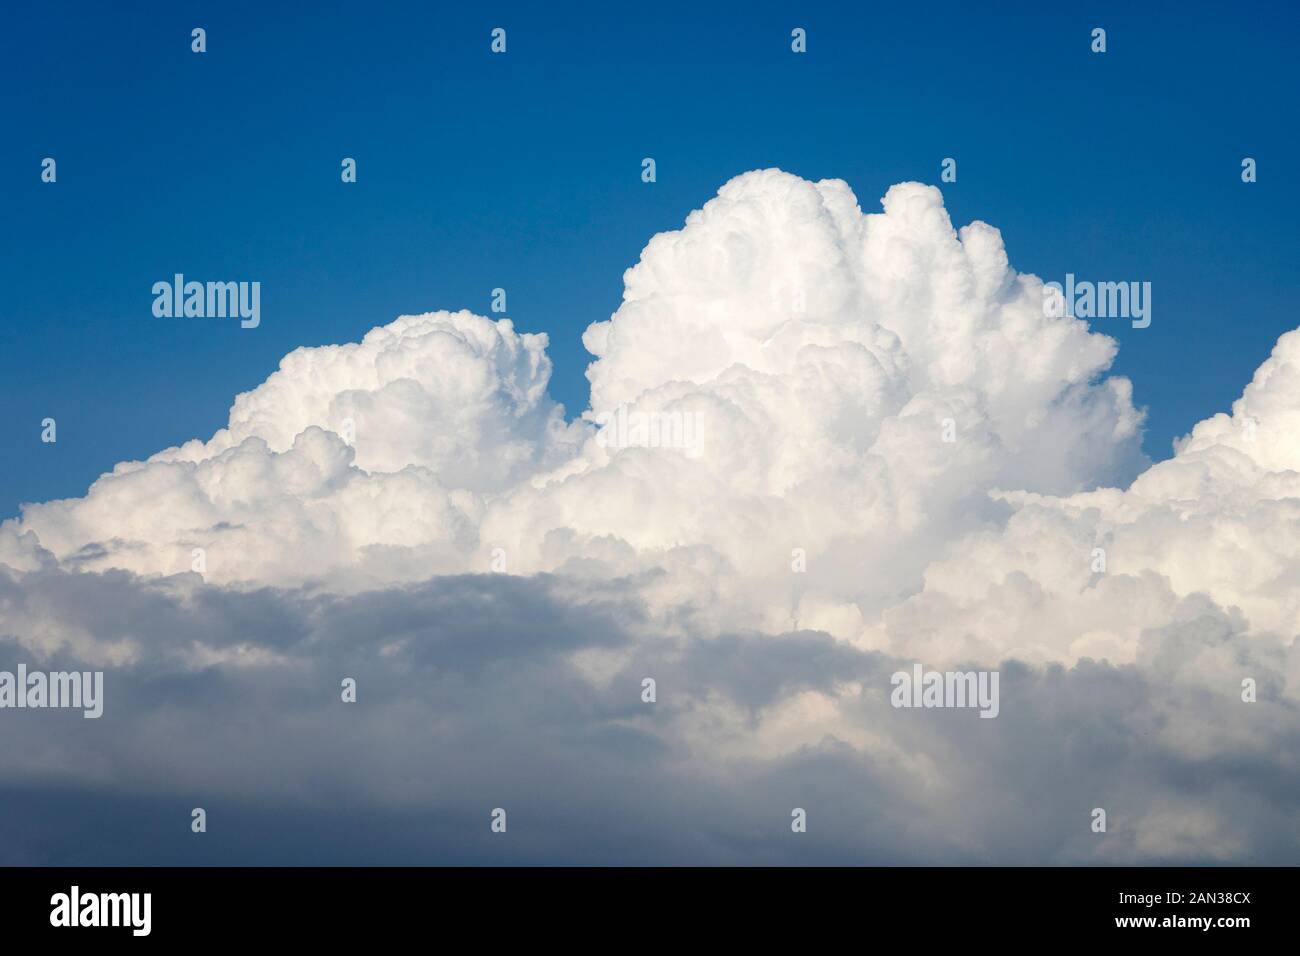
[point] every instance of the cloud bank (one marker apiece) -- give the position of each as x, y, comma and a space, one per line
893, 455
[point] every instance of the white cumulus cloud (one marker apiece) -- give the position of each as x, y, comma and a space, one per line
821, 443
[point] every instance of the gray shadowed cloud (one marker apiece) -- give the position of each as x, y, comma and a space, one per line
476, 692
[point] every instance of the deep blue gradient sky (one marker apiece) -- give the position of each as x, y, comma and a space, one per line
523, 171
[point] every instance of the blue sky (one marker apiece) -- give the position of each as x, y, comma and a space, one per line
523, 171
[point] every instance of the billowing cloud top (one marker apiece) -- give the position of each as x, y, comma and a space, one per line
803, 419
811, 354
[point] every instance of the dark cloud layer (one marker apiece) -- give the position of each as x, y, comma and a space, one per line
477, 692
